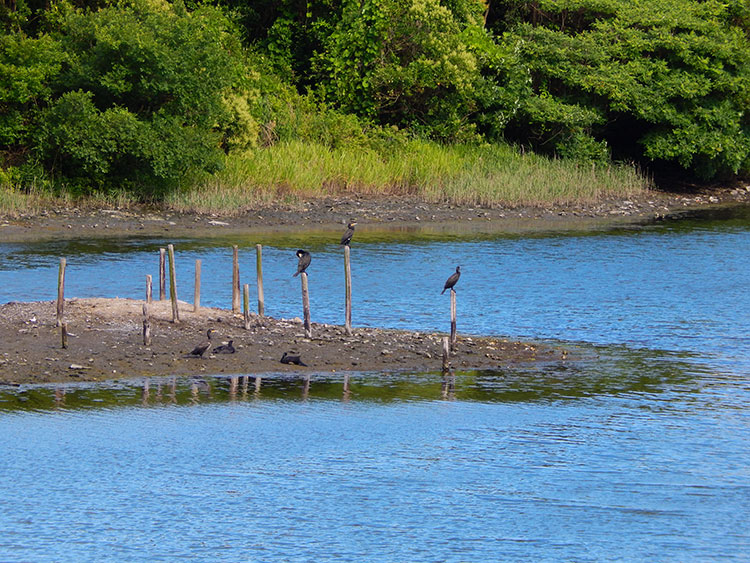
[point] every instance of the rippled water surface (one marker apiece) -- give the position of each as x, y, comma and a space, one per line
638, 453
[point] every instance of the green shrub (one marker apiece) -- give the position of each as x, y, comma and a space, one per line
141, 98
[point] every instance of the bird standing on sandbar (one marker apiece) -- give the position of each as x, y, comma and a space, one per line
287, 359
224, 348
347, 238
304, 262
451, 281
201, 348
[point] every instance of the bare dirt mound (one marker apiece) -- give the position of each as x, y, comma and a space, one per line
106, 341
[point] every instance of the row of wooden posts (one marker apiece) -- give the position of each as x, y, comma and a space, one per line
449, 343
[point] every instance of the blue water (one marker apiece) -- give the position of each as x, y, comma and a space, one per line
638, 453
680, 286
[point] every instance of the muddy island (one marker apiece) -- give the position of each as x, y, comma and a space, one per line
105, 341
105, 335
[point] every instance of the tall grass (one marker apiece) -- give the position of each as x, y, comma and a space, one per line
291, 171
16, 201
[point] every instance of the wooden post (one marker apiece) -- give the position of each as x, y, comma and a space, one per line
306, 305
246, 304
235, 279
61, 291
446, 354
64, 334
259, 271
162, 274
348, 274
146, 326
197, 292
453, 319
149, 289
173, 285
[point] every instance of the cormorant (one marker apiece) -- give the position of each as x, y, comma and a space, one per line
451, 281
304, 261
201, 348
224, 348
347, 238
287, 359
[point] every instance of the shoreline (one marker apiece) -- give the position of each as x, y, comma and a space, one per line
372, 213
106, 334
105, 342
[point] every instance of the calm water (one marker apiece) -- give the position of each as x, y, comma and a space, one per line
639, 453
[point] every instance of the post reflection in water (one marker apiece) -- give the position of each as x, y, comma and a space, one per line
449, 386
60, 397
233, 381
565, 456
146, 392
306, 388
347, 393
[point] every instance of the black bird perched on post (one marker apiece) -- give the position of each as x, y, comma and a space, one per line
201, 348
347, 238
451, 281
304, 261
224, 348
287, 359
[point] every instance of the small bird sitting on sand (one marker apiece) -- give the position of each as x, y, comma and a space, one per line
201, 348
451, 281
347, 238
287, 359
224, 348
304, 261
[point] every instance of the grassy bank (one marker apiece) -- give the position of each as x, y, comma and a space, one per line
475, 175
293, 171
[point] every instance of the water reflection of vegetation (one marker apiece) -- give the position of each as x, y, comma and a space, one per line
318, 239
612, 373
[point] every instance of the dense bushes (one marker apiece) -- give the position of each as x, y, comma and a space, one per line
146, 95
667, 80
128, 96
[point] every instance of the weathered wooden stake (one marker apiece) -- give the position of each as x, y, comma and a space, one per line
146, 326
259, 271
246, 304
64, 334
348, 274
235, 279
149, 289
173, 284
446, 354
306, 305
197, 292
61, 292
162, 274
453, 319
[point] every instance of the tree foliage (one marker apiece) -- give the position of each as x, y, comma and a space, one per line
130, 95
664, 80
145, 93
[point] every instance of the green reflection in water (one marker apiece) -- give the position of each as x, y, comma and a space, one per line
608, 371
315, 239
